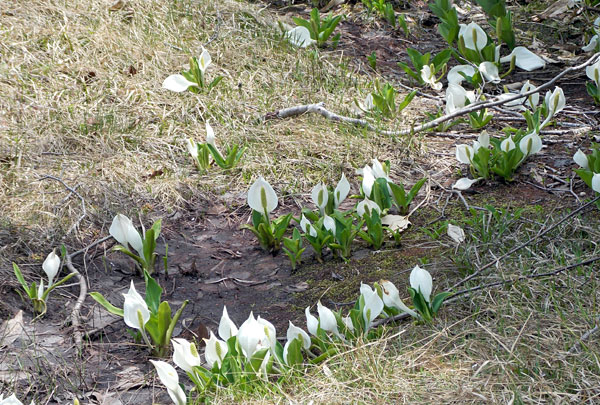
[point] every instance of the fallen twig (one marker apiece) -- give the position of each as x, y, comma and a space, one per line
319, 108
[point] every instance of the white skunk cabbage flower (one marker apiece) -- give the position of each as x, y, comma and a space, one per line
507, 145
454, 76
177, 83
555, 102
391, 298
312, 323
327, 320
457, 97
368, 180
215, 351
168, 376
474, 36
51, 266
300, 36
134, 304
596, 182
185, 354
192, 148
124, 232
367, 206
373, 306
320, 196
524, 58
307, 227
262, 197
530, 144
227, 328
210, 135
489, 70
581, 159
464, 154
428, 76
341, 191
420, 280
295, 332
592, 45
329, 223
593, 72
204, 60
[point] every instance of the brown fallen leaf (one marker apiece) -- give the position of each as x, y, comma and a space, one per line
11, 330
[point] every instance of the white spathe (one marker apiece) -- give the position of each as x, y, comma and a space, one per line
428, 76
168, 376
367, 206
329, 223
530, 144
251, 337
464, 184
420, 280
581, 159
454, 76
464, 154
262, 197
341, 191
295, 332
312, 323
524, 58
327, 320
474, 36
210, 135
192, 148
204, 60
51, 266
391, 297
596, 182
555, 102
507, 145
592, 45
489, 70
124, 232
368, 180
593, 72
134, 303
177, 83
299, 36
227, 328
215, 350
373, 306
307, 227
185, 354
320, 196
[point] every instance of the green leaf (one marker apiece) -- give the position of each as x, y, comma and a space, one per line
99, 298
438, 300
153, 293
407, 100
53, 286
217, 156
149, 244
163, 322
156, 227
174, 322
294, 354
21, 279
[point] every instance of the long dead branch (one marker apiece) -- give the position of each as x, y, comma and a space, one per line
319, 108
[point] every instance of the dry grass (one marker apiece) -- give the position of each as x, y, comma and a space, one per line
82, 101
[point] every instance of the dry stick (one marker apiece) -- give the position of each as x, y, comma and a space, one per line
522, 245
75, 321
575, 348
320, 109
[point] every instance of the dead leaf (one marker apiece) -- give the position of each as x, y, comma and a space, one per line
456, 233
11, 330
131, 377
395, 222
301, 286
